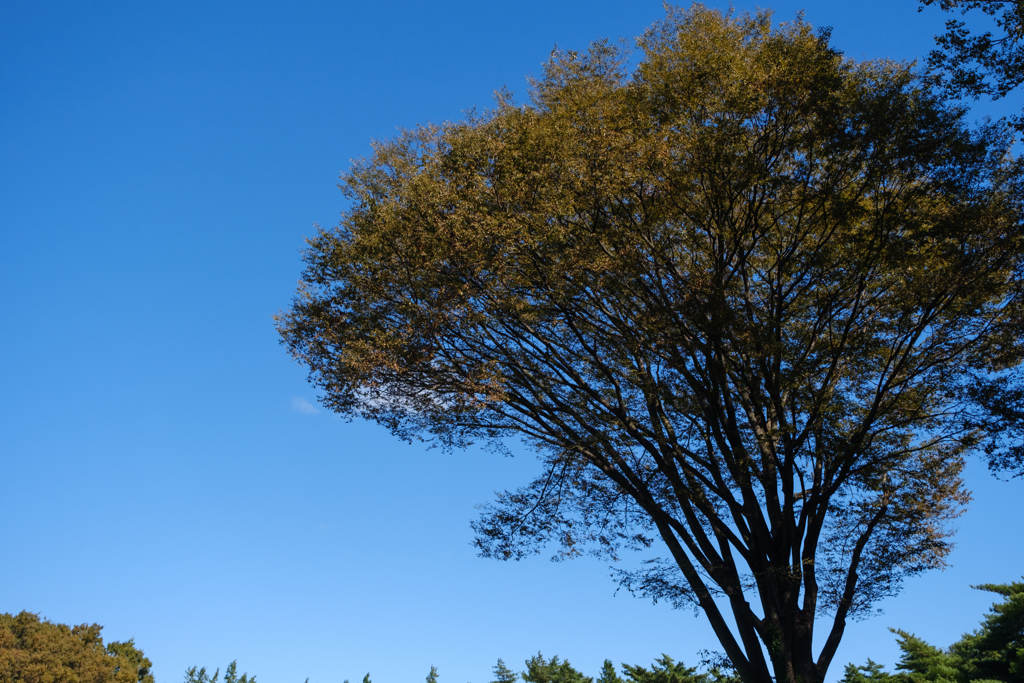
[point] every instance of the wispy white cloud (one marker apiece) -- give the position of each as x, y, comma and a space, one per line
301, 405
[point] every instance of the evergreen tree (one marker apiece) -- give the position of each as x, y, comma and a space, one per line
199, 675
871, 672
664, 670
924, 663
195, 675
502, 674
992, 654
231, 675
540, 671
996, 650
608, 674
432, 676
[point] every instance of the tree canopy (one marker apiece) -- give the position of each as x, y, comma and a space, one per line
34, 650
751, 303
981, 64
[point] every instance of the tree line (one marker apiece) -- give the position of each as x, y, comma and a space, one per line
34, 650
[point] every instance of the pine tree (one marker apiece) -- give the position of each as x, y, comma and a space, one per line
540, 671
608, 674
231, 675
924, 663
199, 675
871, 672
996, 650
502, 674
994, 653
664, 670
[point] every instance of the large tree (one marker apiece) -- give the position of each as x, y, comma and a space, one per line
752, 304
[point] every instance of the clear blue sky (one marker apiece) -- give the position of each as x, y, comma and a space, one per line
165, 471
